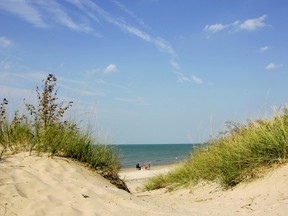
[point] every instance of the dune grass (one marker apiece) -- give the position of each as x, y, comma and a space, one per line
242, 153
42, 130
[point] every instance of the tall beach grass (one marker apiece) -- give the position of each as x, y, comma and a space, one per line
42, 130
242, 153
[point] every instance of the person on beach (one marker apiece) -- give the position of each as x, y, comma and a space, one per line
138, 166
147, 166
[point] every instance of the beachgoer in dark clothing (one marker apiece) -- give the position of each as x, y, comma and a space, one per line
138, 166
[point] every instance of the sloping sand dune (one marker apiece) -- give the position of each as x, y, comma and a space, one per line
31, 185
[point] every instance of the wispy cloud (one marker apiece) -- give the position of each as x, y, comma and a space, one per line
190, 79
5, 65
61, 16
175, 65
184, 78
14, 92
111, 68
215, 27
247, 25
24, 10
80, 91
264, 49
19, 77
138, 100
164, 46
273, 66
196, 79
43, 14
89, 7
123, 8
15, 85
5, 42
46, 14
77, 87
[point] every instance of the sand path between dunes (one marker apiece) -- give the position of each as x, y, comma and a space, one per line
36, 186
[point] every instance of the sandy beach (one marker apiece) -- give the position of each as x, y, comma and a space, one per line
135, 179
31, 185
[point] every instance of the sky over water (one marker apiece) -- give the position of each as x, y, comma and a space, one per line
149, 71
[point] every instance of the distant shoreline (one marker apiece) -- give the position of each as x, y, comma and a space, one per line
136, 179
154, 154
156, 167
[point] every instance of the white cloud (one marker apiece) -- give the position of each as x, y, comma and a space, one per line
273, 66
190, 79
183, 79
164, 45
196, 80
111, 68
264, 49
253, 24
175, 65
248, 25
5, 42
135, 31
215, 28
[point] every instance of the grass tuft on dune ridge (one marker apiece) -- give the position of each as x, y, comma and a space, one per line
242, 153
42, 130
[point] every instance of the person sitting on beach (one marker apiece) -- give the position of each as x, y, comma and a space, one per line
138, 166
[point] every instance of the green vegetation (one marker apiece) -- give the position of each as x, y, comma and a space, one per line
43, 131
241, 153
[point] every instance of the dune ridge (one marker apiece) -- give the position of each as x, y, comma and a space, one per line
31, 185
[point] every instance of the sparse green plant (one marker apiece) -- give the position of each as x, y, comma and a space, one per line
47, 114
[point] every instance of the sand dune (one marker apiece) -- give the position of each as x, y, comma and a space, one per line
135, 179
31, 185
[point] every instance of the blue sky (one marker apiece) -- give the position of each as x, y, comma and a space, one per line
149, 71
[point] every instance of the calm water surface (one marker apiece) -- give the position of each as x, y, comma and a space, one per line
155, 154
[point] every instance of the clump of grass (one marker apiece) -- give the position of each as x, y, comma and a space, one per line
44, 131
15, 134
240, 154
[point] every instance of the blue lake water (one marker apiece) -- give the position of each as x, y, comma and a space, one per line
155, 154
